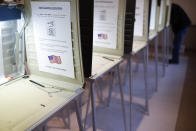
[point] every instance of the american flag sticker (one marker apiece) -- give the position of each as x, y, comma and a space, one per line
102, 36
55, 59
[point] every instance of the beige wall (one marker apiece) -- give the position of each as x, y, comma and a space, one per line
190, 7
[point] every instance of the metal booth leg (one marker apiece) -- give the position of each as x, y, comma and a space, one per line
164, 51
156, 63
130, 94
78, 115
168, 43
122, 99
125, 74
111, 88
146, 79
93, 106
87, 108
67, 124
44, 128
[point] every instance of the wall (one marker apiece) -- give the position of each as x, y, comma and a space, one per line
190, 8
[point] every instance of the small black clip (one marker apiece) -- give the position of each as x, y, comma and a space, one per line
25, 77
43, 105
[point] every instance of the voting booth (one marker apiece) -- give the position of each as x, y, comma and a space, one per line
154, 19
47, 36
107, 38
162, 15
141, 29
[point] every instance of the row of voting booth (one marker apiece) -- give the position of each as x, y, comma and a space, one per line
49, 49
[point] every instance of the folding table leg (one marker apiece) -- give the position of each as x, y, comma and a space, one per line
156, 63
164, 51
78, 115
145, 78
67, 124
130, 89
44, 128
125, 75
111, 88
87, 108
167, 45
93, 106
122, 99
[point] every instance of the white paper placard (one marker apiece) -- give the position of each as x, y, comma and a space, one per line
1, 55
105, 23
168, 2
52, 32
153, 15
161, 13
139, 16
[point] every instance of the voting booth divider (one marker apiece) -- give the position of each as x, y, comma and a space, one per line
107, 23
28, 101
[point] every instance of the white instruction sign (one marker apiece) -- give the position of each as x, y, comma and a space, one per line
139, 18
153, 15
52, 33
105, 23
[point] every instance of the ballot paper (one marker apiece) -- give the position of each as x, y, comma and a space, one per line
105, 23
52, 34
139, 16
153, 15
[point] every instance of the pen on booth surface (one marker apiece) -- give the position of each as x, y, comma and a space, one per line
36, 83
108, 58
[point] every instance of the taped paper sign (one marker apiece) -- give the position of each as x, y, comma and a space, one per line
139, 16
105, 23
52, 33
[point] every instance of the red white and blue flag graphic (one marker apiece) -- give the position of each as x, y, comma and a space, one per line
103, 36
54, 59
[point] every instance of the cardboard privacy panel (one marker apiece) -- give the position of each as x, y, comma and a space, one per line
162, 15
142, 20
129, 25
53, 40
86, 33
